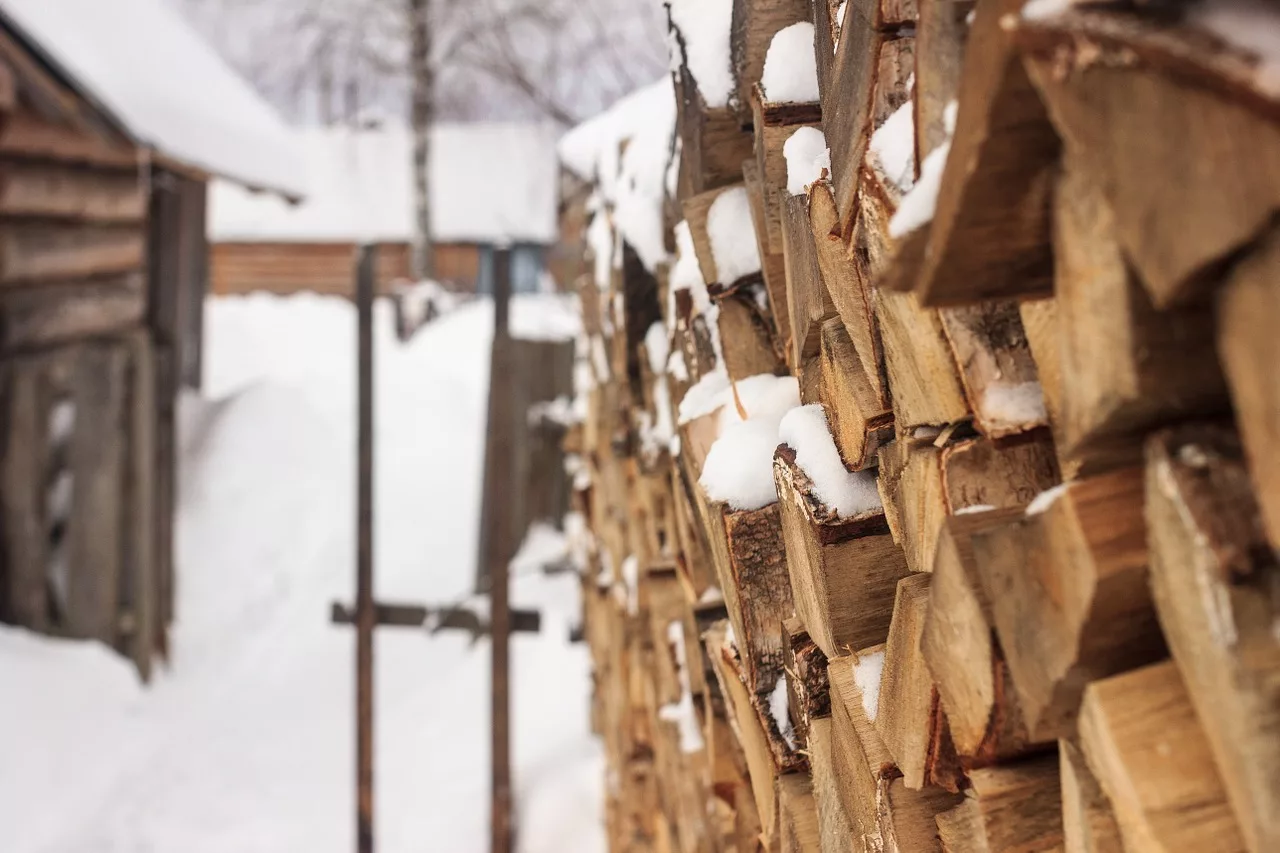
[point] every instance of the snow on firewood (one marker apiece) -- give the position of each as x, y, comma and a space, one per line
704, 27
778, 709
917, 206
641, 188
1249, 25
739, 467
866, 674
807, 157
893, 146
590, 150
1012, 405
657, 346
846, 493
1040, 9
682, 713
790, 67
704, 397
732, 234
1041, 502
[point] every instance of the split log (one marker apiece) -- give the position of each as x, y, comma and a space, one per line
885, 813
1012, 808
1073, 603
1214, 579
746, 337
1126, 367
697, 211
773, 267
712, 142
846, 108
922, 372
774, 124
910, 719
808, 303
754, 24
843, 571
1088, 822
1248, 315
959, 647
798, 815
1138, 100
860, 417
835, 828
1143, 742
808, 691
995, 367
989, 238
941, 33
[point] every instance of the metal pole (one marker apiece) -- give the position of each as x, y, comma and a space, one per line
500, 613
365, 612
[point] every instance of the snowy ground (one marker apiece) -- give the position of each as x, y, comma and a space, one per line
245, 744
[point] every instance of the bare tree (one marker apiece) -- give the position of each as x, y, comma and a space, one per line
422, 114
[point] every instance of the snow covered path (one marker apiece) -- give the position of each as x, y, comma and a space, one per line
245, 744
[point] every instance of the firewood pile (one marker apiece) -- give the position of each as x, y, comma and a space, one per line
932, 392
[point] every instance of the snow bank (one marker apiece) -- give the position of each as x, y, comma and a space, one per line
732, 234
791, 66
807, 158
894, 145
846, 493
704, 26
166, 86
866, 674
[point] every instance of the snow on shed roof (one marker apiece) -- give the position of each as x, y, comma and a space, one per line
594, 143
141, 63
490, 183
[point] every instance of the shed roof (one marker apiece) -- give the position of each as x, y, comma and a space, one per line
490, 183
141, 64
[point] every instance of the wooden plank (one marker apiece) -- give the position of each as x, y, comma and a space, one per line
1248, 308
29, 406
843, 570
41, 317
101, 511
31, 190
989, 238
1138, 99
1074, 604
31, 253
1213, 578
1144, 744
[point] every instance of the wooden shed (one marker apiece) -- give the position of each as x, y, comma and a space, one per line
104, 165
492, 184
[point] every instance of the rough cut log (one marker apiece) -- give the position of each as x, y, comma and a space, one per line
1214, 579
746, 337
958, 645
67, 194
847, 285
755, 22
773, 267
835, 828
885, 813
846, 109
990, 233
941, 32
40, 317
996, 367
844, 571
921, 369
1144, 744
774, 124
1248, 314
910, 719
1073, 604
1088, 822
748, 551
39, 253
28, 136
798, 815
1013, 808
1040, 324
1126, 367
808, 691
1136, 101
860, 418
808, 303
712, 142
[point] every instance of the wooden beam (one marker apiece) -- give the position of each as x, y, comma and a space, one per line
38, 253
39, 317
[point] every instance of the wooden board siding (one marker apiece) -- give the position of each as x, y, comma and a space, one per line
327, 268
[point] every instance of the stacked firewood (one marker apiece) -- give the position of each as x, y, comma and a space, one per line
930, 463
